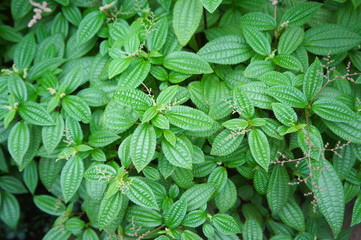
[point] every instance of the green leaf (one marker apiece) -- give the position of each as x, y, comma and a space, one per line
102, 138
257, 68
17, 87
227, 197
179, 154
290, 40
158, 35
77, 108
356, 213
71, 177
229, 49
34, 113
225, 224
89, 26
166, 96
186, 62
346, 130
25, 52
90, 234
19, 141
257, 40
176, 214
333, 110
190, 119
259, 147
278, 190
194, 218
285, 114
198, 195
133, 98
142, 145
291, 214
12, 185
41, 67
72, 14
288, 95
160, 121
20, 8
31, 176
300, 13
109, 209
143, 216
226, 142
50, 205
330, 193
100, 172
186, 17
211, 5
312, 83
117, 66
10, 210
219, 177
135, 74
275, 78
288, 62
243, 104
73, 79
52, 135
140, 193
315, 139
326, 38
258, 20
252, 230
57, 233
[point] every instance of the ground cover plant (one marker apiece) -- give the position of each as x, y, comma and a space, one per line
186, 119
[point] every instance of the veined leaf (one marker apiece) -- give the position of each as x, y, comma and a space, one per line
290, 40
34, 113
50, 205
333, 110
225, 224
57, 233
158, 36
300, 13
258, 20
17, 87
259, 147
102, 138
332, 203
285, 114
166, 96
346, 130
179, 154
52, 135
194, 218
143, 216
71, 177
219, 177
142, 145
312, 83
25, 51
211, 5
135, 74
278, 189
257, 40
19, 141
198, 195
109, 209
226, 142
186, 17
288, 62
257, 68
275, 78
10, 210
186, 62
315, 139
89, 26
356, 213
117, 66
140, 193
189, 118
100, 172
77, 108
291, 214
176, 214
326, 38
252, 230
229, 49
72, 14
133, 98
189, 235
288, 95
227, 196
243, 104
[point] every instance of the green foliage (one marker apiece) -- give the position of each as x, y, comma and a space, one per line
184, 119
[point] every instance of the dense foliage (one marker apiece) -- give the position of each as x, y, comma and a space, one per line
183, 119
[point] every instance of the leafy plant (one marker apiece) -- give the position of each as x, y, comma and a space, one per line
185, 119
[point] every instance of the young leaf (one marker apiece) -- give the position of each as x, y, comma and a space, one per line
142, 145
100, 172
186, 17
135, 74
179, 154
17, 87
186, 62
259, 147
225, 143
71, 177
